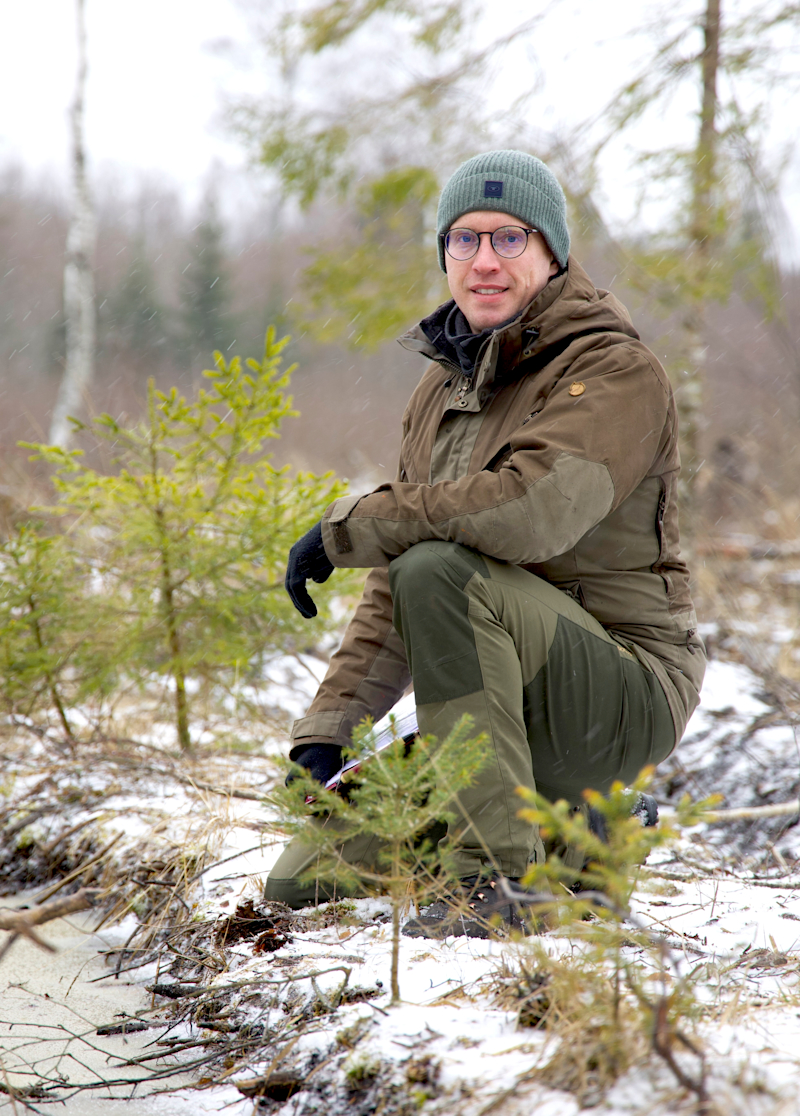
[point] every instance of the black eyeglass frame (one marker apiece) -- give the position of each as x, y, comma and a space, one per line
462, 259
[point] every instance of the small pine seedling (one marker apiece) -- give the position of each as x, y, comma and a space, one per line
398, 796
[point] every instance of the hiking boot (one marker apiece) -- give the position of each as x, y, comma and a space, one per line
645, 808
475, 910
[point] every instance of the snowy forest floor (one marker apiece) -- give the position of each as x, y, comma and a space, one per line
223, 1003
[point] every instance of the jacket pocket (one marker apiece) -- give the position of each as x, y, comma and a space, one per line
662, 504
496, 462
659, 564
535, 411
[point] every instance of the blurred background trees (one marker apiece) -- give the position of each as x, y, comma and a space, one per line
719, 235
373, 150
205, 320
360, 113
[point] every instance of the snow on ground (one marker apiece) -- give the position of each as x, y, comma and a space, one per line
743, 746
725, 898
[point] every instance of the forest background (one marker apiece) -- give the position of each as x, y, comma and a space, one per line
162, 243
671, 135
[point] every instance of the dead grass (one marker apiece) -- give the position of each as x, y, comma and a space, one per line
747, 573
601, 1017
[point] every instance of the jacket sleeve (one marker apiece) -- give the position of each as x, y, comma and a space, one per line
366, 676
587, 449
368, 673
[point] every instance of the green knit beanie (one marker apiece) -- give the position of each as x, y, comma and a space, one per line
511, 182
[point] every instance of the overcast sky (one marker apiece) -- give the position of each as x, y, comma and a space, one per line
157, 77
153, 89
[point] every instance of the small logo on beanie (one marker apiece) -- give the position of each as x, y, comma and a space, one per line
492, 189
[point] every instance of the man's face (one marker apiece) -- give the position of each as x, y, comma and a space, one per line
489, 289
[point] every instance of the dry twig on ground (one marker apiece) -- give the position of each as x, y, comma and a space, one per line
22, 922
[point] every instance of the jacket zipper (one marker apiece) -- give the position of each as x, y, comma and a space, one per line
451, 367
463, 388
445, 363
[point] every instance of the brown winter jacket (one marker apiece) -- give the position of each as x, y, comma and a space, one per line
559, 455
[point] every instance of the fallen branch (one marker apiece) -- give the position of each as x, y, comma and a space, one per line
201, 784
179, 991
789, 883
129, 1026
176, 991
277, 1086
742, 813
664, 1037
22, 922
750, 813
226, 792
179, 777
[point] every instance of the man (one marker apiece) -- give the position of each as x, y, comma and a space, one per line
525, 563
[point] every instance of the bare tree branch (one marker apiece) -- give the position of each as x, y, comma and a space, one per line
21, 923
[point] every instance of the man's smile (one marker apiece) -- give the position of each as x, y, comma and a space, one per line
490, 288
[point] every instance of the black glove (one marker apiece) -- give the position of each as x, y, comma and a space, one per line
320, 760
307, 559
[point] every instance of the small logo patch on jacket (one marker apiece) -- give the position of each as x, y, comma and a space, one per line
492, 189
577, 388
341, 537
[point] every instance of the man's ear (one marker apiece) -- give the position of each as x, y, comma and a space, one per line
554, 267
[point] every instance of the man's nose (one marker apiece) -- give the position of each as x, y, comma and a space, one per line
485, 259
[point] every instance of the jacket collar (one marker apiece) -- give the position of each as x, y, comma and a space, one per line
501, 349
569, 304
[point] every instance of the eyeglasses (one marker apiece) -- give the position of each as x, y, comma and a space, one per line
508, 242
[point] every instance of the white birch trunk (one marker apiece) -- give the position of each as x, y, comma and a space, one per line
79, 311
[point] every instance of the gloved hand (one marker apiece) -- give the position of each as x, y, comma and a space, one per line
307, 559
320, 760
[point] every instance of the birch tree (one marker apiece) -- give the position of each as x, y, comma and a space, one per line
79, 302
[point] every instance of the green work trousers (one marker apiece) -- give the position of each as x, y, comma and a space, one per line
563, 705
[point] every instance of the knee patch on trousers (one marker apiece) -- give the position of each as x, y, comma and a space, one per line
431, 615
413, 569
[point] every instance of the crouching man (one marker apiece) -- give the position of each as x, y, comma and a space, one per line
525, 563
